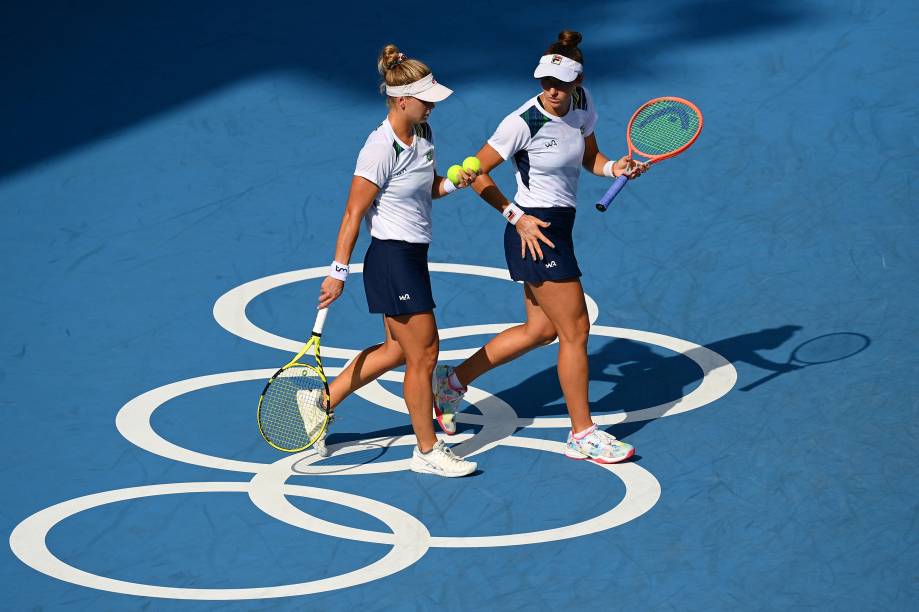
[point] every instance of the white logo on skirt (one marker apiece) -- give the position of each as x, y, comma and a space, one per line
405, 297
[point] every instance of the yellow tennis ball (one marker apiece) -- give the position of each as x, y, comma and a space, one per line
472, 164
454, 173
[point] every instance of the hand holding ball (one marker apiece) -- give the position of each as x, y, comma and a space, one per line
457, 174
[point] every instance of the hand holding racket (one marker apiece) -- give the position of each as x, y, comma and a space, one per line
660, 128
822, 349
293, 409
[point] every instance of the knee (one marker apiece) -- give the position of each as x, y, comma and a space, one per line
542, 335
394, 351
424, 360
576, 334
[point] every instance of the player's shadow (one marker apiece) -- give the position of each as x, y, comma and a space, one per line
640, 378
632, 376
343, 437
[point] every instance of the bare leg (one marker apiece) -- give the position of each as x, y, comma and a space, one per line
563, 304
417, 337
366, 367
538, 330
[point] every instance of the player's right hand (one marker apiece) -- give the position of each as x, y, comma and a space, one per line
530, 236
330, 291
467, 177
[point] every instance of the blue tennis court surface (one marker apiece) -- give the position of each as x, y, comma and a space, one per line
172, 182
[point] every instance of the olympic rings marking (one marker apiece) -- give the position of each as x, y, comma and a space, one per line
410, 538
230, 310
409, 541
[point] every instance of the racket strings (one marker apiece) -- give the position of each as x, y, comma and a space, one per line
293, 409
663, 127
830, 347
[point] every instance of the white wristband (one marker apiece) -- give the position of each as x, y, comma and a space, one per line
449, 187
339, 271
608, 169
512, 213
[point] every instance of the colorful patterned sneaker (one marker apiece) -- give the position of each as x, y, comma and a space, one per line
446, 399
319, 445
441, 461
597, 446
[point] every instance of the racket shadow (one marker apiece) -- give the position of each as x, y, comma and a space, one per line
641, 377
345, 439
820, 350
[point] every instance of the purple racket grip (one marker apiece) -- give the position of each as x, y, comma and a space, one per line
612, 192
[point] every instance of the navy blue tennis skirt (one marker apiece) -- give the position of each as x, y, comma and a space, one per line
558, 264
396, 277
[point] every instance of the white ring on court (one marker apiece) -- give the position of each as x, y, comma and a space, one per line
409, 540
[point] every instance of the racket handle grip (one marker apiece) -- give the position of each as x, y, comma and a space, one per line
612, 192
320, 321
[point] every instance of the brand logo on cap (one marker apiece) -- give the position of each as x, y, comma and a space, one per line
556, 59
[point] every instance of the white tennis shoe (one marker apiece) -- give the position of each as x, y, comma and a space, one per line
319, 445
441, 461
308, 402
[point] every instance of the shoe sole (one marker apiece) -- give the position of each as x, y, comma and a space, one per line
440, 421
427, 470
582, 457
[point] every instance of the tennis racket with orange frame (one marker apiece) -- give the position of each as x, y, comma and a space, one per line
661, 128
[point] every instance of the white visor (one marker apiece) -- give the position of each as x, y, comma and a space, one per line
558, 66
426, 88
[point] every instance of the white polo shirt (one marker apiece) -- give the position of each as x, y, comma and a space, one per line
404, 172
547, 150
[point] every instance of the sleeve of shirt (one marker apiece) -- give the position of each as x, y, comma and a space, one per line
511, 136
375, 162
591, 121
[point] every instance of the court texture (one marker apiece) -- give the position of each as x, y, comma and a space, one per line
171, 184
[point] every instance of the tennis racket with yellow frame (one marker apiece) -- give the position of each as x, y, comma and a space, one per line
293, 409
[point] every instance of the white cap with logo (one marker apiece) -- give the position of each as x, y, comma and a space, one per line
558, 66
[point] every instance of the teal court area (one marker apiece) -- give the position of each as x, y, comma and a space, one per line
171, 185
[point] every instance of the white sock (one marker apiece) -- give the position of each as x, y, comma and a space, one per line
581, 434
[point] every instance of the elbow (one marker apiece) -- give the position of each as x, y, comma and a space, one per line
354, 213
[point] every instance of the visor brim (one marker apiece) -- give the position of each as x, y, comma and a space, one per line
436, 93
559, 72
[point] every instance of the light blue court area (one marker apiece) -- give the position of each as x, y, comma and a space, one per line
172, 177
